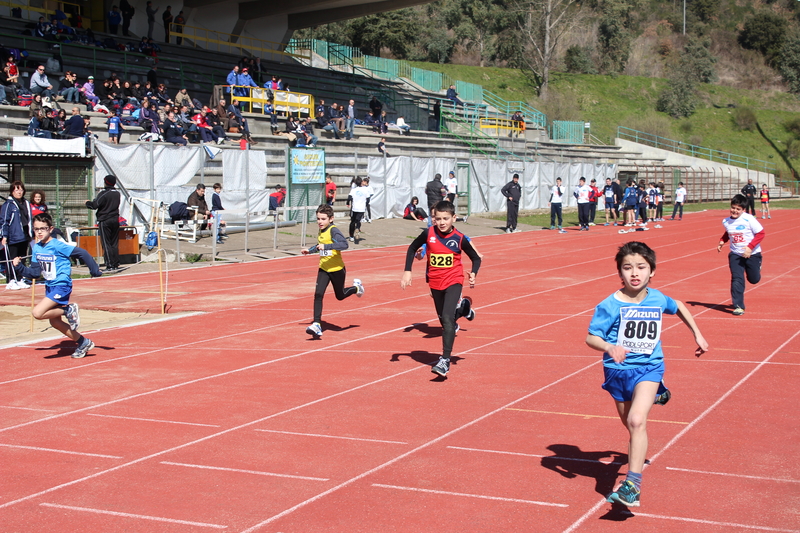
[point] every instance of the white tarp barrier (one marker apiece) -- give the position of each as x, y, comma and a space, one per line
172, 165
396, 179
52, 146
284, 100
236, 165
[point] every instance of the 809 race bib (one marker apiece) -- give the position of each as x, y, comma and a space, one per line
639, 329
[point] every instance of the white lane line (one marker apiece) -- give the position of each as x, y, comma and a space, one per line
411, 452
206, 438
713, 523
330, 436
39, 449
256, 472
762, 478
155, 420
554, 457
480, 496
129, 515
27, 408
691, 425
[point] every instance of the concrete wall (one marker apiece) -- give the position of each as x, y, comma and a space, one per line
674, 159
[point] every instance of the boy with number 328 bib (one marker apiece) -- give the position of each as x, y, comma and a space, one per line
627, 327
445, 275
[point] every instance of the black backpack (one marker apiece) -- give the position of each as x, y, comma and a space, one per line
179, 211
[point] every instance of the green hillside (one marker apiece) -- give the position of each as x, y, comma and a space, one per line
608, 102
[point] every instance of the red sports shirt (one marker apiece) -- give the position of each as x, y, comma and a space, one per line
444, 259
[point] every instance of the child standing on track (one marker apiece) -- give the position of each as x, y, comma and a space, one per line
51, 260
764, 201
445, 275
626, 326
745, 233
330, 243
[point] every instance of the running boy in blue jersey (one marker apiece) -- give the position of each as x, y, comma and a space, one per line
627, 326
51, 261
330, 243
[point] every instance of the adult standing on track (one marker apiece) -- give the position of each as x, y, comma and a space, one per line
435, 191
513, 193
582, 193
749, 191
16, 230
107, 205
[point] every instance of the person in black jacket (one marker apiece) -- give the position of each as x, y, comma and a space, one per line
436, 192
107, 205
749, 191
513, 192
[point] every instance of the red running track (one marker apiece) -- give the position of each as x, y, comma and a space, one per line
234, 419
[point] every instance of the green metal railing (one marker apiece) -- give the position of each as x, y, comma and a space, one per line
568, 132
695, 151
471, 135
531, 115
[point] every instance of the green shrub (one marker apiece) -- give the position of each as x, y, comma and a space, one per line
745, 119
579, 60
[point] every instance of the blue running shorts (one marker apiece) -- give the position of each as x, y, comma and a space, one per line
58, 293
621, 382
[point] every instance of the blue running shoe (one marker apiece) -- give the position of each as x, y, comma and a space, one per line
663, 395
72, 314
627, 494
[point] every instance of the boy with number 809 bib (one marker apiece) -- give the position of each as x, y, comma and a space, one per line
627, 327
445, 275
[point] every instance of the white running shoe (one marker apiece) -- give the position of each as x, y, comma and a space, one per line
314, 329
72, 314
359, 287
14, 285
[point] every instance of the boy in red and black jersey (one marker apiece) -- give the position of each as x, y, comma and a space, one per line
445, 275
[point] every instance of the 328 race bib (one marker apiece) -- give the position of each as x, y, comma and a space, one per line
639, 329
442, 260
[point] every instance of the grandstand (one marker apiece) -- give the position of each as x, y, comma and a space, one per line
478, 130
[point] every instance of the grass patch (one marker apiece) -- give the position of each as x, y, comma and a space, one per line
608, 102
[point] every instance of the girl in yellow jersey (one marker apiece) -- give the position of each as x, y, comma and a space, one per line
330, 243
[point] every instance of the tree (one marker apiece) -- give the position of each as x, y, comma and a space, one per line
578, 59
705, 10
394, 30
789, 63
678, 99
615, 35
541, 25
764, 32
696, 61
476, 24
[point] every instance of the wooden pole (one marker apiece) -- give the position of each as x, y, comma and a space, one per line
158, 250
33, 301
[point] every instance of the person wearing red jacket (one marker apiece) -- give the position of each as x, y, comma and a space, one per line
593, 196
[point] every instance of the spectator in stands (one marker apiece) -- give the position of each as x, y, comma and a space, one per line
5, 89
114, 19
11, 81
45, 30
243, 124
49, 121
127, 14
132, 96
173, 133
68, 90
381, 125
35, 126
149, 119
101, 91
152, 77
87, 89
178, 23
151, 18
167, 19
40, 84
227, 119
519, 122
214, 120
336, 117
247, 81
163, 111
350, 123
118, 93
375, 107
277, 198
452, 95
307, 131
233, 81
323, 123
149, 91
73, 126
269, 109
273, 84
162, 96
322, 108
183, 98
36, 105
61, 120
402, 126
257, 70
382, 147
291, 123
188, 125
206, 131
